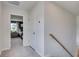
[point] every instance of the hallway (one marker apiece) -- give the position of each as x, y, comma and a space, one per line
34, 22
17, 50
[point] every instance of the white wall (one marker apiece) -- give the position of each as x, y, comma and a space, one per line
1, 27
62, 25
7, 11
37, 40
77, 34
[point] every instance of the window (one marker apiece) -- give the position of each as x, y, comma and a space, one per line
14, 27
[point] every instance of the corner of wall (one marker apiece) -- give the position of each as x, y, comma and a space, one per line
0, 52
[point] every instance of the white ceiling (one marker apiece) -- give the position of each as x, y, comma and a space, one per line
72, 6
26, 5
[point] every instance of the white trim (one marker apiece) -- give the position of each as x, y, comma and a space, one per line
26, 45
42, 55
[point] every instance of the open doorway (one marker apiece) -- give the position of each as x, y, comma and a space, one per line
16, 31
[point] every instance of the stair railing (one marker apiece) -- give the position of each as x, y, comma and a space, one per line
60, 44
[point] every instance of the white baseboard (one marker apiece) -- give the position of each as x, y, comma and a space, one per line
26, 45
38, 52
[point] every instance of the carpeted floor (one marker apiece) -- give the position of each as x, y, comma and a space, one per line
17, 50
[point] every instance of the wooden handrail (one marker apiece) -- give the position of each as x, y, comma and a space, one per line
60, 44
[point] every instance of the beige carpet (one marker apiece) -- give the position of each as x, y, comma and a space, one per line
17, 50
